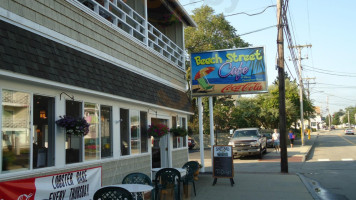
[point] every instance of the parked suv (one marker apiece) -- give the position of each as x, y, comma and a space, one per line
248, 141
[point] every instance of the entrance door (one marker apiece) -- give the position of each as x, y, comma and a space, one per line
159, 147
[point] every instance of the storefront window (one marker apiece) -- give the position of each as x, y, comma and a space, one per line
106, 131
91, 140
15, 132
184, 125
43, 131
73, 142
124, 132
144, 135
175, 138
135, 132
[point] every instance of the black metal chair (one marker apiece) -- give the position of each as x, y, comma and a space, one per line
167, 179
138, 178
112, 193
191, 167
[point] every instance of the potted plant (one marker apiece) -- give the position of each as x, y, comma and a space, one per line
74, 126
157, 130
180, 132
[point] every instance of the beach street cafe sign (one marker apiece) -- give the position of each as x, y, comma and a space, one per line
228, 72
80, 184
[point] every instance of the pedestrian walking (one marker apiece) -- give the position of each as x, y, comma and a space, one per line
291, 137
275, 138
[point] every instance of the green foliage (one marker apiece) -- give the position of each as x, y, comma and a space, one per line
181, 132
349, 111
213, 32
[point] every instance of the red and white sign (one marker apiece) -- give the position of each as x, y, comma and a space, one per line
80, 184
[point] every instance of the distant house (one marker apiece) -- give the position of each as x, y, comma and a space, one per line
119, 64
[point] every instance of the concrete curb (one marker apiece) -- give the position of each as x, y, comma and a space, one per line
305, 156
310, 187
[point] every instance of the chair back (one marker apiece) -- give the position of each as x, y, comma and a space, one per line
110, 193
137, 178
168, 178
191, 167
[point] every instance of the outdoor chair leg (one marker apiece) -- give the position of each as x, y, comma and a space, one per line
194, 188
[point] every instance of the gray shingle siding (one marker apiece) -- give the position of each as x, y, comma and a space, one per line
27, 53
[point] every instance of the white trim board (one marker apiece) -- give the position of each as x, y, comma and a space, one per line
33, 27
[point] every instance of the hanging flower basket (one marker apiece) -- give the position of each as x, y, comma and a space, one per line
179, 132
157, 130
74, 126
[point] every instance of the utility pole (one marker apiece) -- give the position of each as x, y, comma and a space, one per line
308, 79
300, 47
348, 116
281, 87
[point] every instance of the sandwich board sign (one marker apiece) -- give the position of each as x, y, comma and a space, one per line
223, 165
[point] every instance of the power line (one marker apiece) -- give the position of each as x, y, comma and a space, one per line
289, 69
193, 2
336, 85
262, 29
327, 70
251, 14
337, 96
330, 73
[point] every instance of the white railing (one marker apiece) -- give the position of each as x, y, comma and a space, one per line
124, 17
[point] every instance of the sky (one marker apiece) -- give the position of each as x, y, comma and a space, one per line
329, 26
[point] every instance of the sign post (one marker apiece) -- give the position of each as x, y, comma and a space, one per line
223, 166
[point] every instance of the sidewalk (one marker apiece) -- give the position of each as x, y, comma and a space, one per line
267, 183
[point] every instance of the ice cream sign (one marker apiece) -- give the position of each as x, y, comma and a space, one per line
228, 72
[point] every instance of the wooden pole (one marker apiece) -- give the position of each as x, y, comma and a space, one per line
281, 85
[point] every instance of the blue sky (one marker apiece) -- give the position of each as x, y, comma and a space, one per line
329, 26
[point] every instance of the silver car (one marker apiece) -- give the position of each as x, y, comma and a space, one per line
247, 142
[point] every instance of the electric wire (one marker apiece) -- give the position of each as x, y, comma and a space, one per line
289, 69
192, 3
347, 86
343, 75
251, 14
337, 96
262, 29
289, 38
327, 70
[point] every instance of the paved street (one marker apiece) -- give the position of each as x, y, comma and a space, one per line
329, 170
332, 163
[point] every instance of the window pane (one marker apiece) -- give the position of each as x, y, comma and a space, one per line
43, 131
144, 135
15, 130
135, 132
73, 142
91, 140
106, 131
124, 132
175, 138
184, 125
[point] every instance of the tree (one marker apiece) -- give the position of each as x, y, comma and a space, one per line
214, 32
337, 116
349, 111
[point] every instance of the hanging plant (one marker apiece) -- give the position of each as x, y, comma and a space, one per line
74, 126
180, 132
157, 130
